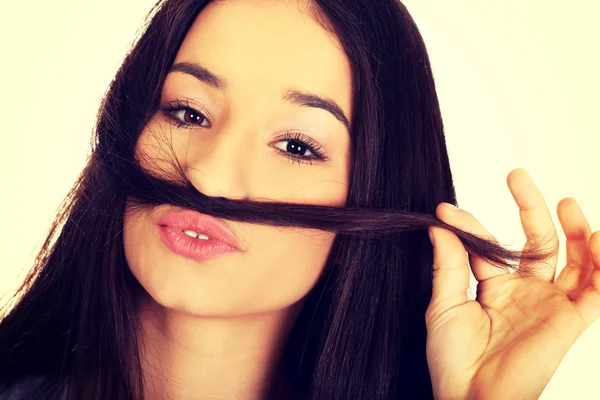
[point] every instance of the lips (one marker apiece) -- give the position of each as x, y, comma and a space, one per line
214, 228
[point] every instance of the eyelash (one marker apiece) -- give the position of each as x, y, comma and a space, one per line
306, 141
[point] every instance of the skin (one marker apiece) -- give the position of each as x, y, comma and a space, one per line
509, 341
215, 328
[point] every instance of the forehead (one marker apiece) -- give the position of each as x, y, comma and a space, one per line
264, 47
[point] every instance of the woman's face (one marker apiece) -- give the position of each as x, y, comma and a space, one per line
235, 146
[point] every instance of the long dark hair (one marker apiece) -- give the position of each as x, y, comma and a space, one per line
361, 332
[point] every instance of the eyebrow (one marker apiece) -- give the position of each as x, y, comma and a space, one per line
292, 96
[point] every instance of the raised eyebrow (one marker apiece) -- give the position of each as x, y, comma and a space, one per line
292, 96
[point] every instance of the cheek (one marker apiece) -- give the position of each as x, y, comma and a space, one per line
167, 277
138, 248
282, 270
278, 269
158, 146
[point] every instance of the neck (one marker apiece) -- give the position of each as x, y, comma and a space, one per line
187, 356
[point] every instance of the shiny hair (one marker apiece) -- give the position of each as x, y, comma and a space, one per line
361, 332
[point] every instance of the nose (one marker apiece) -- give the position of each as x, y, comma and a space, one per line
219, 165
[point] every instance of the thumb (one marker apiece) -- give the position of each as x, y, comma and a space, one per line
451, 274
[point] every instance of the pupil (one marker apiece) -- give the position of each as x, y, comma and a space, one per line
192, 119
295, 147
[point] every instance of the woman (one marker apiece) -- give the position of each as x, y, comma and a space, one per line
311, 133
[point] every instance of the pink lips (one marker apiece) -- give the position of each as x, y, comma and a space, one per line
221, 239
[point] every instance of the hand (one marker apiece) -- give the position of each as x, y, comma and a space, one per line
508, 342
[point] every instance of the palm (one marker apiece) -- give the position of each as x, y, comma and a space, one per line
508, 342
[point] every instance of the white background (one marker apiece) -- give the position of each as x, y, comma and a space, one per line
517, 81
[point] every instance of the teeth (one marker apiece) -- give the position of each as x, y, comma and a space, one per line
195, 235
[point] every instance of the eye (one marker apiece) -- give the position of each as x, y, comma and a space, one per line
183, 115
298, 145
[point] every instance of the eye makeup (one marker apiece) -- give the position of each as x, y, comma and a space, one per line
176, 113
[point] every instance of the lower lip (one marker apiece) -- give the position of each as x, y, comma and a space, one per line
196, 249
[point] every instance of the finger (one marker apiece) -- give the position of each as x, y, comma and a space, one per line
535, 218
450, 270
589, 300
575, 275
465, 221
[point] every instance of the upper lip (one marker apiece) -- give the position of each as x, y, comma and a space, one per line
201, 223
